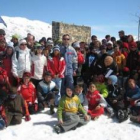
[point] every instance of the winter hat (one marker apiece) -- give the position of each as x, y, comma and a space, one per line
56, 48
15, 36
76, 45
126, 71
47, 73
109, 43
2, 32
133, 45
113, 79
22, 41
43, 39
10, 44
27, 74
49, 43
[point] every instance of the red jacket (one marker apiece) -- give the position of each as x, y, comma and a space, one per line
93, 99
80, 58
28, 92
61, 69
7, 64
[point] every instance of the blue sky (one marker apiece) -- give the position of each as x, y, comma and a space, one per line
104, 16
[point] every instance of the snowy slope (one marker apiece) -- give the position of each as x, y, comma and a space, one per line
22, 26
40, 128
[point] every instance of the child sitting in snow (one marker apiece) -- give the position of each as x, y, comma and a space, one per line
79, 93
28, 92
68, 108
132, 95
96, 102
116, 98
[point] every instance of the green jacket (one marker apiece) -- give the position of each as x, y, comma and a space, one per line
68, 104
103, 89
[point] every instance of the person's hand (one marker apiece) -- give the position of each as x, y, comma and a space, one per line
74, 73
60, 121
98, 107
114, 101
87, 117
27, 118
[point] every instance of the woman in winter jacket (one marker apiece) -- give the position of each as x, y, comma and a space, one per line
57, 66
21, 60
96, 102
28, 92
39, 62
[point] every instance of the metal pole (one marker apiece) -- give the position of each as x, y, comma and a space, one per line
139, 30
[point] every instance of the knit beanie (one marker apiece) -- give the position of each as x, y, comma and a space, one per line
113, 79
22, 41
2, 32
56, 48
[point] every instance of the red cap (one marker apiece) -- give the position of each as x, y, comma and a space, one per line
126, 69
27, 74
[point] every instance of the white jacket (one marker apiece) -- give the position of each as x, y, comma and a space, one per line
38, 63
21, 63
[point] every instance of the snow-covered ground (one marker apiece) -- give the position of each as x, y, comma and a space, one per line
41, 128
22, 26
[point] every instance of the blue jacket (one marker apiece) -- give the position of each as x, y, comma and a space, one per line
133, 93
70, 57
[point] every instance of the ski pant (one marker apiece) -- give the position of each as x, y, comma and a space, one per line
2, 124
96, 113
72, 120
13, 119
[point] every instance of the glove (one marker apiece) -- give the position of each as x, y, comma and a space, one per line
27, 118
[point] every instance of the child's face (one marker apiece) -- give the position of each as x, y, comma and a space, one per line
109, 82
39, 51
69, 92
26, 80
78, 90
9, 51
131, 84
48, 78
92, 88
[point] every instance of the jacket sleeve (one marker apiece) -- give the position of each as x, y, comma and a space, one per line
61, 108
49, 67
14, 65
104, 92
75, 61
103, 102
80, 108
39, 94
63, 67
25, 106
137, 95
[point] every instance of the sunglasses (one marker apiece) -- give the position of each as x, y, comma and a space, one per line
66, 39
23, 44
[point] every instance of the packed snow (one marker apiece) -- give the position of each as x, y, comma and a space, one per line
22, 26
41, 128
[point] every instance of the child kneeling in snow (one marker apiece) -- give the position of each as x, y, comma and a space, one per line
68, 109
96, 102
28, 92
14, 108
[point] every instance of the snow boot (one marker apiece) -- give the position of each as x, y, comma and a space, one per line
52, 109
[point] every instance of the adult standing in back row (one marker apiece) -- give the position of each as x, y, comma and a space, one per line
70, 56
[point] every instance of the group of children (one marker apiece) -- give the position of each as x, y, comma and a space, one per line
31, 79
